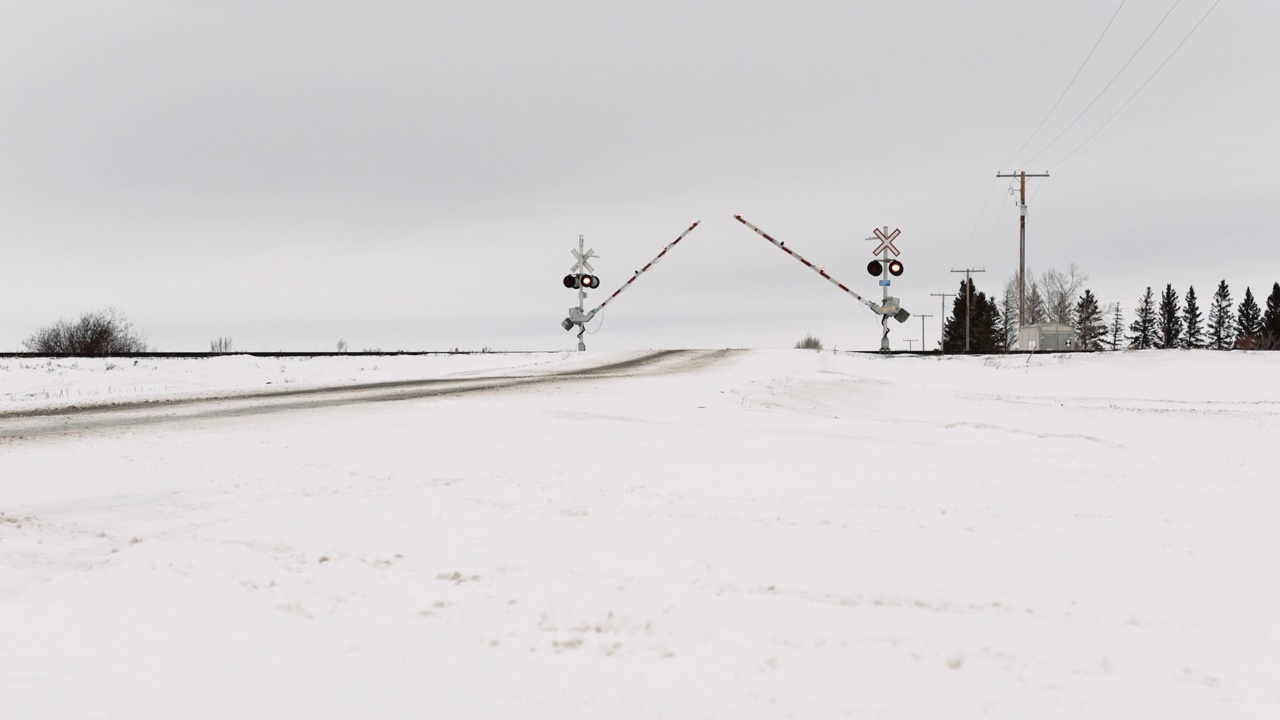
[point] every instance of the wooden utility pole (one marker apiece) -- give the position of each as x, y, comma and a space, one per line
942, 320
1022, 240
922, 345
968, 299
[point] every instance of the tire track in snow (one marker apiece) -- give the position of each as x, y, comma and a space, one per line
63, 421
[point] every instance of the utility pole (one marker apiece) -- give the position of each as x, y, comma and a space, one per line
910, 347
1022, 240
922, 317
968, 298
942, 322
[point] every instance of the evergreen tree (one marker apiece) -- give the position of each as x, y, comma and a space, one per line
1222, 321
1090, 327
1193, 320
1271, 320
1248, 322
1168, 322
984, 322
1142, 331
1117, 328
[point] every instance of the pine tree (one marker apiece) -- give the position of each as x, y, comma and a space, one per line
1222, 321
1248, 322
1090, 328
1271, 320
1168, 322
1142, 331
1117, 328
1193, 320
984, 323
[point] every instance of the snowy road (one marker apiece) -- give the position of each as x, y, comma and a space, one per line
80, 418
750, 534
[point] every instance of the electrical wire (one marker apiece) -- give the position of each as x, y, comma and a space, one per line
994, 225
977, 222
1065, 90
1107, 86
1001, 247
1140, 87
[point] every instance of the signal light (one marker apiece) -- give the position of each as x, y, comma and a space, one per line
895, 268
874, 268
573, 282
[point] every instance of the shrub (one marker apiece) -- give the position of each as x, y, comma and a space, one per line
107, 332
342, 345
809, 343
220, 345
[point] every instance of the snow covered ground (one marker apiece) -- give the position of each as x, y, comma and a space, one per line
703, 534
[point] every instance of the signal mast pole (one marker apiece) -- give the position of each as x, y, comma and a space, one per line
1022, 240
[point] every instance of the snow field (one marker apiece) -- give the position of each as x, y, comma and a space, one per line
757, 534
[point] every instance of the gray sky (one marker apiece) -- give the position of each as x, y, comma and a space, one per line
413, 175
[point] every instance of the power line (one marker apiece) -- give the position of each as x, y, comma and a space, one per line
1108, 85
1140, 87
994, 225
1064, 92
978, 221
1000, 248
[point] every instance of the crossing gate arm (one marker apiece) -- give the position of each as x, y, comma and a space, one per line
810, 265
586, 317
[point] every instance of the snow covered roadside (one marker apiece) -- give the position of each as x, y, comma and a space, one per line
40, 384
773, 534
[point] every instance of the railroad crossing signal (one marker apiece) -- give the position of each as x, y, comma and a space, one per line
581, 281
886, 241
875, 267
583, 258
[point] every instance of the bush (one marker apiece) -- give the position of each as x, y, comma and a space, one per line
809, 343
107, 332
220, 345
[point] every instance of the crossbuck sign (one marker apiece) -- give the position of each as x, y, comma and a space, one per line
886, 241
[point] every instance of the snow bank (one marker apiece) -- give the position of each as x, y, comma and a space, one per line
753, 534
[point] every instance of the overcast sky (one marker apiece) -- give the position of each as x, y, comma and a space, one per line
412, 175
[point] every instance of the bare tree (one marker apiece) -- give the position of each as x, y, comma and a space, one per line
1009, 313
106, 332
809, 342
1060, 293
220, 345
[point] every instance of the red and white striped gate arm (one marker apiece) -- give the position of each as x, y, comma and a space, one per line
642, 270
807, 264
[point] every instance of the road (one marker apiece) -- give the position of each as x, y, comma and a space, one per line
75, 420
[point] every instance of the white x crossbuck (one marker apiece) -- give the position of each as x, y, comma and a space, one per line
886, 241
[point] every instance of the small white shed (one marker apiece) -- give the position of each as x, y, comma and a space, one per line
1047, 337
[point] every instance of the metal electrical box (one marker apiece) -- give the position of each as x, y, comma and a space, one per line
1047, 337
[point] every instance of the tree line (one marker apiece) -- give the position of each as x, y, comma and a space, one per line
1175, 320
